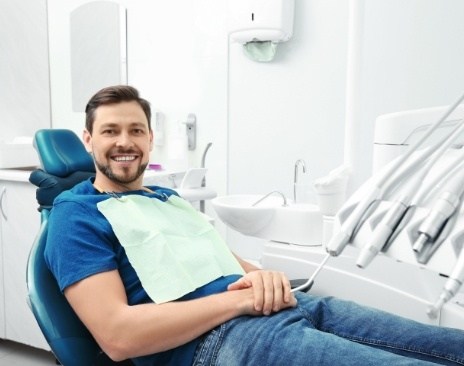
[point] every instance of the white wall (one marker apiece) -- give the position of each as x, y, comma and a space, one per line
24, 83
412, 57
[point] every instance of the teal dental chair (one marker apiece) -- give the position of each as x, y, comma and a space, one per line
64, 162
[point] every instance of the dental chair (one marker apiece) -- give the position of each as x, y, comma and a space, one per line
64, 162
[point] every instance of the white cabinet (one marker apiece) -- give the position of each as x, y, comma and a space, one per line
2, 292
20, 223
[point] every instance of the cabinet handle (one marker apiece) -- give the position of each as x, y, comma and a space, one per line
2, 194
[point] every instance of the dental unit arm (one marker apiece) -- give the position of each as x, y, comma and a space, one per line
343, 237
396, 212
390, 210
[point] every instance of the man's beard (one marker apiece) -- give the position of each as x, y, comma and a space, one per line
126, 179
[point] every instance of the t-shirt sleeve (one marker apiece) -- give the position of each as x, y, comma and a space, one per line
79, 243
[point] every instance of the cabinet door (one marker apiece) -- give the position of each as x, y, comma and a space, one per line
2, 293
19, 228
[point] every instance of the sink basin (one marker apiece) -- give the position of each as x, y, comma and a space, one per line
237, 212
299, 224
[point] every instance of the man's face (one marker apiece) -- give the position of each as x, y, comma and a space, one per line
120, 143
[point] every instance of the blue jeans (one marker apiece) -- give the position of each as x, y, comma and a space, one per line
328, 331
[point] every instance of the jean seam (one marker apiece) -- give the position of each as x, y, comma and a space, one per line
398, 347
390, 345
217, 348
210, 344
361, 340
307, 316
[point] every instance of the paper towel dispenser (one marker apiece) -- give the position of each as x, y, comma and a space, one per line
260, 20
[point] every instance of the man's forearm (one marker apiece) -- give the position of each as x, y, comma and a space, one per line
151, 328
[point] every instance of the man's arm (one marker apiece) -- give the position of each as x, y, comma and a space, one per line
124, 331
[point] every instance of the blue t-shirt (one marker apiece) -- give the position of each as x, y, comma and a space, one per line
81, 243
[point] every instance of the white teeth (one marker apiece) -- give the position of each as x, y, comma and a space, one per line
124, 158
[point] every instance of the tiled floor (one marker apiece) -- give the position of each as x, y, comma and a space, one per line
15, 354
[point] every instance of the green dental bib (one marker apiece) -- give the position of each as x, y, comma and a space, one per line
171, 246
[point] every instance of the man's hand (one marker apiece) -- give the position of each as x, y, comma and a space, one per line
270, 290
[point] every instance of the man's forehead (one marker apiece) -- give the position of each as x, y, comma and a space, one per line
121, 113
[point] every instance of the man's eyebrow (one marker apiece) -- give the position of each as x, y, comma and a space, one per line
139, 124
108, 124
114, 124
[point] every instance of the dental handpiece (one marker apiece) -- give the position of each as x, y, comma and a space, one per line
442, 209
339, 241
440, 212
382, 232
450, 288
390, 221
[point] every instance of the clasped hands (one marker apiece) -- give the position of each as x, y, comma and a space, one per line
270, 291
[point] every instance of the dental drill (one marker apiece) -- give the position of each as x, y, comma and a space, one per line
429, 250
338, 242
450, 288
426, 191
442, 209
396, 212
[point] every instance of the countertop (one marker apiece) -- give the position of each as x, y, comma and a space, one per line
16, 175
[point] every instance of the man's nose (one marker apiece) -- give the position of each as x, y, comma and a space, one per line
124, 140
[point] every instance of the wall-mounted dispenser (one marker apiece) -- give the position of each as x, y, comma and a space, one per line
259, 25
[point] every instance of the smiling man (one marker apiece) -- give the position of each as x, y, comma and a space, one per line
113, 244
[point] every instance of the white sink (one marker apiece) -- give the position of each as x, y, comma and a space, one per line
237, 212
295, 223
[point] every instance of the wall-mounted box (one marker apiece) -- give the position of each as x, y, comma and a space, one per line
260, 20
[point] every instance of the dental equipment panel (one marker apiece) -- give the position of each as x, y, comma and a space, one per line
411, 209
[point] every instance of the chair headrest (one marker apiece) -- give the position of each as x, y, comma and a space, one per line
61, 152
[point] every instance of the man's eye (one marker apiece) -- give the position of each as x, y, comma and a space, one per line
108, 132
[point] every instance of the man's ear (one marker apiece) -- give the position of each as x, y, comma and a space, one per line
87, 139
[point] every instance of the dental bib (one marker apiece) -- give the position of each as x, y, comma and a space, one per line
171, 246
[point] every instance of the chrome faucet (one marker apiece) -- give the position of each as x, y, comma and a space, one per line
295, 177
267, 195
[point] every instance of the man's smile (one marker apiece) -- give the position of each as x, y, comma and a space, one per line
124, 158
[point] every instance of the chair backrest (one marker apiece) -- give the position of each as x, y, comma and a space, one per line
69, 340
61, 152
65, 162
